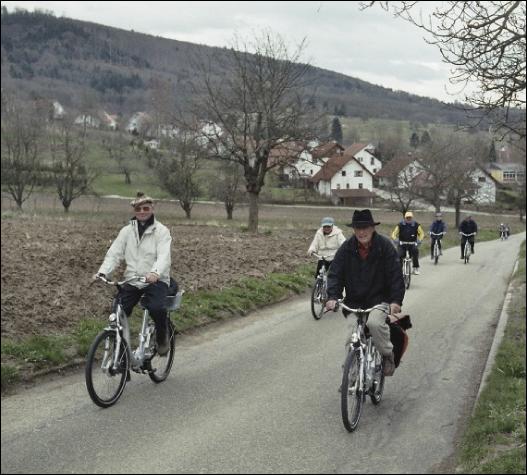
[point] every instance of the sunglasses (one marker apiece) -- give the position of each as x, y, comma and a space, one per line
138, 209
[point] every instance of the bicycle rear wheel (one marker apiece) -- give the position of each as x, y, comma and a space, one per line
160, 366
350, 393
377, 387
105, 383
436, 253
317, 299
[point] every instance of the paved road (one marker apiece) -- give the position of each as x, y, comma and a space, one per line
259, 394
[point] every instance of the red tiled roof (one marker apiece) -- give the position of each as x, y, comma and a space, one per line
332, 166
327, 149
288, 152
355, 148
395, 166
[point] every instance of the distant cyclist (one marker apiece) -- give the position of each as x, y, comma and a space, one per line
468, 226
326, 242
437, 227
409, 230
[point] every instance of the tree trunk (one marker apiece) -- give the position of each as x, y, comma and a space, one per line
457, 205
253, 211
127, 178
229, 208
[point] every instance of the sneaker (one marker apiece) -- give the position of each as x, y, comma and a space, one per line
389, 365
416, 271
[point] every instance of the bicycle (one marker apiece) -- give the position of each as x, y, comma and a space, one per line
110, 356
467, 250
363, 370
435, 250
503, 235
319, 292
407, 263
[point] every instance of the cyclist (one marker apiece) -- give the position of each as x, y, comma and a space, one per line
326, 242
144, 245
437, 227
409, 230
468, 226
507, 230
504, 228
367, 267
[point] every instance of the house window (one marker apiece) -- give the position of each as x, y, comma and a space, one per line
372, 161
410, 169
311, 171
509, 176
481, 179
360, 159
338, 186
348, 186
374, 170
343, 172
360, 186
358, 173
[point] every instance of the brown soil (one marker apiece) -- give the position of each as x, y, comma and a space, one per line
47, 266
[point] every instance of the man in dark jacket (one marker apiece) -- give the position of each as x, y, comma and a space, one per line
468, 226
437, 231
367, 266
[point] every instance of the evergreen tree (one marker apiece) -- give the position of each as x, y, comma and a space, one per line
493, 156
336, 130
414, 140
425, 138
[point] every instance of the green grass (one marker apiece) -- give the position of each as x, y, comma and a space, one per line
494, 441
198, 308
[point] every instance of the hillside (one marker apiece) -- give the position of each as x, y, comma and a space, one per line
74, 62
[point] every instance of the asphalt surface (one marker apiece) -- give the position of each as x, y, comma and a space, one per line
259, 394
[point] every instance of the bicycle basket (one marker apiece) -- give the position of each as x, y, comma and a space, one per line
173, 302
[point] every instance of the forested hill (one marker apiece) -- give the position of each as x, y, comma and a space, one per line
68, 60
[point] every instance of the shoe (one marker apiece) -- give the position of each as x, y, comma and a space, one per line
163, 347
389, 365
416, 271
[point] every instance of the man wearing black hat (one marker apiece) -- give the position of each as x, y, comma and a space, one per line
367, 267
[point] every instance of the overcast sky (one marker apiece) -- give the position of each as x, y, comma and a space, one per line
369, 45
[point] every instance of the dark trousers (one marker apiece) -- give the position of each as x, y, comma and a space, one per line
154, 301
432, 244
463, 241
414, 252
321, 263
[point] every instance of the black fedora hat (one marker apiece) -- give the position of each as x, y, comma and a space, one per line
362, 219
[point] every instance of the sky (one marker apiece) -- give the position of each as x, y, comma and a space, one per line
371, 45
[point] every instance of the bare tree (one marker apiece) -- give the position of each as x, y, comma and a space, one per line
462, 184
227, 186
69, 172
402, 191
177, 172
21, 154
122, 150
258, 105
485, 44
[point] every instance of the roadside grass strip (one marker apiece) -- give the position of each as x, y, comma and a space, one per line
494, 441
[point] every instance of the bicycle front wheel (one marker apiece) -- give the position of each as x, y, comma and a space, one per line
467, 254
351, 392
105, 383
160, 366
407, 275
317, 300
436, 254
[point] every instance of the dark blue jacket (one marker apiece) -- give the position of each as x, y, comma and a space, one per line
438, 226
368, 282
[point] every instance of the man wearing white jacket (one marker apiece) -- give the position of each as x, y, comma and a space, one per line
326, 242
144, 245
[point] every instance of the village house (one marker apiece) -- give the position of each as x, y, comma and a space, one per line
507, 173
365, 155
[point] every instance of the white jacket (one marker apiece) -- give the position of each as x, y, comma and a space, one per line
327, 245
151, 253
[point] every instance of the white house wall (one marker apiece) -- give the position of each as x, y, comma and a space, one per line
366, 158
348, 182
486, 190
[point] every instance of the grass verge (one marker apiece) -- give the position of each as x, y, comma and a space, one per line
494, 441
23, 358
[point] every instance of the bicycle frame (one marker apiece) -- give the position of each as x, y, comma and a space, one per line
407, 262
467, 250
435, 251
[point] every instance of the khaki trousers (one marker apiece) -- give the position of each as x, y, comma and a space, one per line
379, 330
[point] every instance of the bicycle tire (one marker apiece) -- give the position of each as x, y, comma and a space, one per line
97, 378
467, 254
351, 397
317, 290
157, 362
377, 389
407, 275
436, 254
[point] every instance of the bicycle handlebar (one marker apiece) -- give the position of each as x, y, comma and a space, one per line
111, 282
324, 258
437, 234
340, 302
467, 235
411, 243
